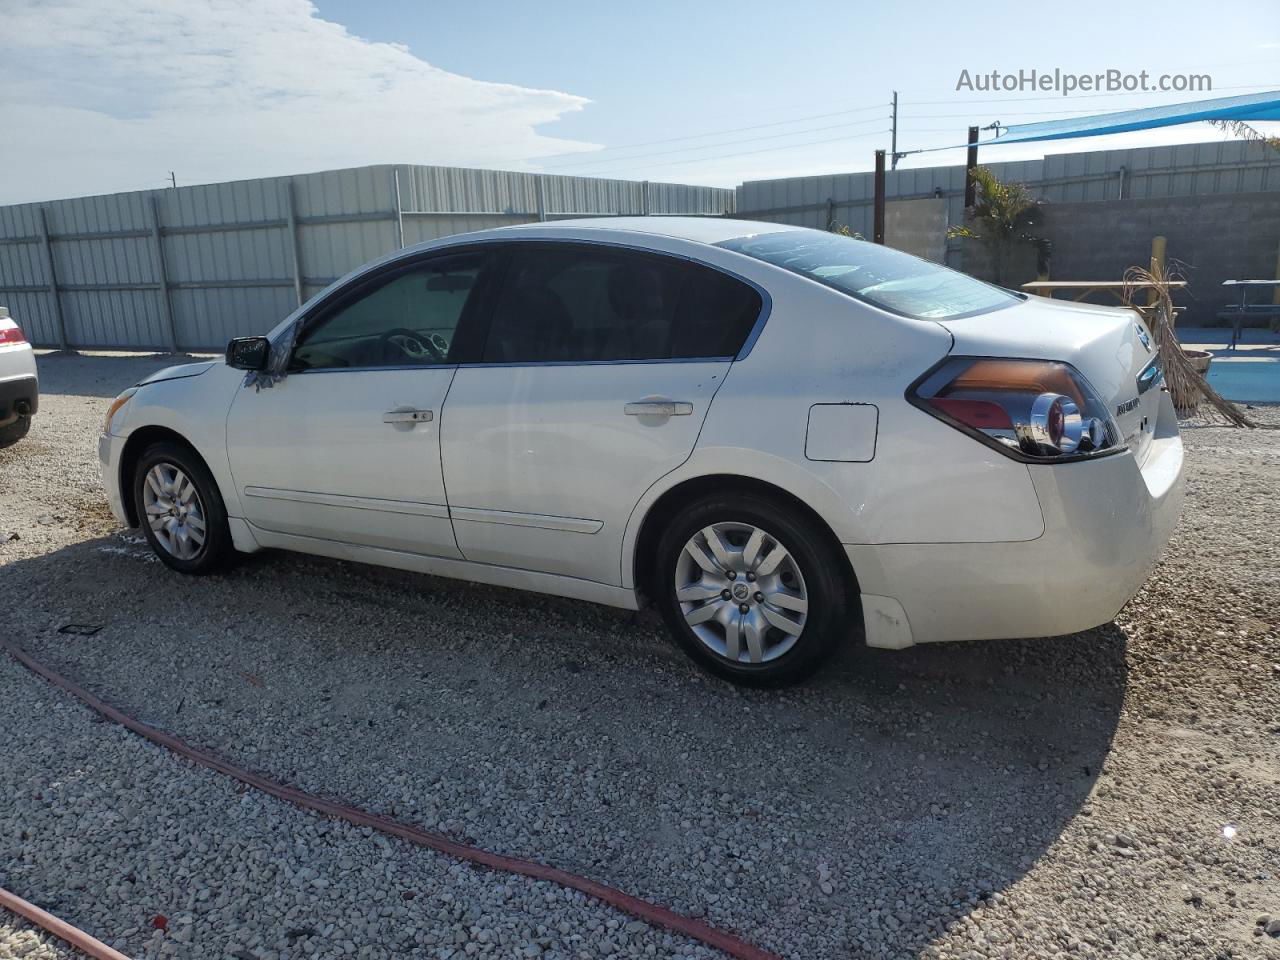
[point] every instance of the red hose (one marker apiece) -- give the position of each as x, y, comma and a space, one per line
649, 912
59, 928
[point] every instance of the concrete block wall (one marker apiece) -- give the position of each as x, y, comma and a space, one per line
1210, 238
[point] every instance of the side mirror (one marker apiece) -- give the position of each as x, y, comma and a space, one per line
249, 353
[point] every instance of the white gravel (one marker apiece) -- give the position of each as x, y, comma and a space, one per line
20, 940
1007, 799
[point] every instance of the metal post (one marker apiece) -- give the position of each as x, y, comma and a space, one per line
644, 198
542, 199
1120, 189
971, 161
162, 275
1158, 245
893, 145
395, 176
51, 271
1275, 295
831, 213
291, 211
877, 229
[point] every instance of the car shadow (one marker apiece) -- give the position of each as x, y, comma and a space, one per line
854, 816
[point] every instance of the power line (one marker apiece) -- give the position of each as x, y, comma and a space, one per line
712, 146
748, 153
593, 158
715, 133
1031, 113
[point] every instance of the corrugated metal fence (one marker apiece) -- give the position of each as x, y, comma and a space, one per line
1177, 171
188, 269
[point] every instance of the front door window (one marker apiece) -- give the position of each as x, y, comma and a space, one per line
407, 318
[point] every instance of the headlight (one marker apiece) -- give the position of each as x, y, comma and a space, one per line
1033, 410
116, 404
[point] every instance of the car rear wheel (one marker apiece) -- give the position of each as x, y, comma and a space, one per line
751, 589
180, 509
11, 433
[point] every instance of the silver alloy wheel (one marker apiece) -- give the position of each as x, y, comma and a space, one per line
741, 592
175, 512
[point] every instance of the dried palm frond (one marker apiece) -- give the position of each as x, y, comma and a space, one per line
1184, 380
1245, 132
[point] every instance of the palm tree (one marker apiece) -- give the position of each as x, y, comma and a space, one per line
1006, 214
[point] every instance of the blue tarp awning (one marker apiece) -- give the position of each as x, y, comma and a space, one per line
1250, 107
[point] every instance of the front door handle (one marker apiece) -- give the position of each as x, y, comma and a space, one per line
407, 416
658, 408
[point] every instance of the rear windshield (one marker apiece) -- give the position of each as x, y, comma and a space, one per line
881, 276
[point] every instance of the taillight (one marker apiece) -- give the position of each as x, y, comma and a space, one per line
11, 334
1036, 410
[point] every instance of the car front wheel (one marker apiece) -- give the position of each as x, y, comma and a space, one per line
180, 509
751, 589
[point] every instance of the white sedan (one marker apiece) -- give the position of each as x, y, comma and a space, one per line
780, 437
19, 387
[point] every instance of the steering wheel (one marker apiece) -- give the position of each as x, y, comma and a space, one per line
413, 345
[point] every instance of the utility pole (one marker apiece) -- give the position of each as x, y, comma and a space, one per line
173, 180
971, 161
893, 146
877, 210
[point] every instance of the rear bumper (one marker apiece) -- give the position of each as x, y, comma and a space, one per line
1106, 524
18, 396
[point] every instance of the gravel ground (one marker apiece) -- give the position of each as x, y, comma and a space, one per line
1115, 793
20, 940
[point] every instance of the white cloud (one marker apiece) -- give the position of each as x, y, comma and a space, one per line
106, 95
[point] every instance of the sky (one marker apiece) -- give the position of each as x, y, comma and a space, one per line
107, 95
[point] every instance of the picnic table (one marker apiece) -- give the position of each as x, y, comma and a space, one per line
1084, 288
1078, 290
1239, 311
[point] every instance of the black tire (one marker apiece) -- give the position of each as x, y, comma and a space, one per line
11, 433
216, 552
822, 577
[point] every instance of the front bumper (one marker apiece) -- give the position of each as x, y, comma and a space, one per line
1106, 523
18, 395
109, 450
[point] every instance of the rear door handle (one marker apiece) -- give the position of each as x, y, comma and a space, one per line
407, 416
658, 408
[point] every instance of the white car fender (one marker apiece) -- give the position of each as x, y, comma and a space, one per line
184, 406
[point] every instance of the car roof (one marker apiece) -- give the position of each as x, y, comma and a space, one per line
709, 229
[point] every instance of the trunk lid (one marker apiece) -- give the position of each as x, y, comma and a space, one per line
1110, 346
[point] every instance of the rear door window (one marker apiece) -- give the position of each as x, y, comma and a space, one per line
567, 303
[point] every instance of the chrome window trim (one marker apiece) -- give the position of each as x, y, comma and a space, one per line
480, 364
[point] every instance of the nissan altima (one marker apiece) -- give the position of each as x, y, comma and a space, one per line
780, 438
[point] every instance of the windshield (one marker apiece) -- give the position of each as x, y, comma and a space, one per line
881, 276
